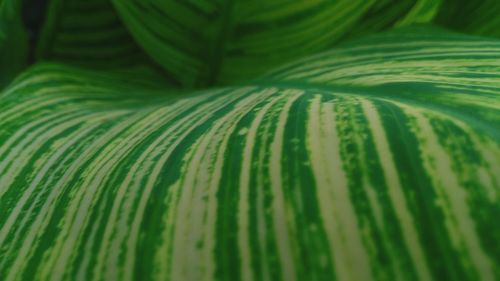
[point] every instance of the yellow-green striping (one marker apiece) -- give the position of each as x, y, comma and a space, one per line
387, 171
70, 35
242, 39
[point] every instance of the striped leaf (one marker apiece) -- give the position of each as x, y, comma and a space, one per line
377, 160
479, 16
86, 33
241, 39
13, 41
200, 43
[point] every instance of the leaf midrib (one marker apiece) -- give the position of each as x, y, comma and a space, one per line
217, 51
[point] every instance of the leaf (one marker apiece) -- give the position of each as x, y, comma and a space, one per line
234, 35
86, 33
377, 160
478, 17
241, 39
13, 42
206, 43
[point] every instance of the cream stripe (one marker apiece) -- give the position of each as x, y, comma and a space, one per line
22, 160
23, 253
460, 224
395, 189
185, 238
279, 206
82, 200
243, 206
129, 189
35, 130
212, 200
137, 133
351, 261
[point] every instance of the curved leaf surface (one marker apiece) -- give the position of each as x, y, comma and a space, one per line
377, 160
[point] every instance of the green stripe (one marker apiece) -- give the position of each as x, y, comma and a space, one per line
377, 160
